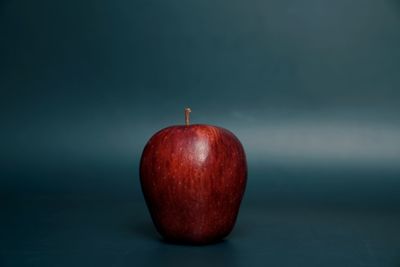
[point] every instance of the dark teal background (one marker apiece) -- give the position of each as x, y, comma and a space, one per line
311, 88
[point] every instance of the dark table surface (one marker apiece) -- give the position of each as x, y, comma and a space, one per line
281, 223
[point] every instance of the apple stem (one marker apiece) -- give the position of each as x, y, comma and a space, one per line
187, 116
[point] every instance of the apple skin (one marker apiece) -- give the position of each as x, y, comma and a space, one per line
193, 179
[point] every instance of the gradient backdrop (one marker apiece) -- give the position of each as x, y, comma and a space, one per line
311, 88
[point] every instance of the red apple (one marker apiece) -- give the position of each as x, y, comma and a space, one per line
193, 178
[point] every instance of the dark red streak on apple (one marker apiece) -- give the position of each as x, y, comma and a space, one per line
193, 179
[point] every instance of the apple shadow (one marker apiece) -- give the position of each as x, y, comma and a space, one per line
187, 244
222, 253
142, 230
146, 230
